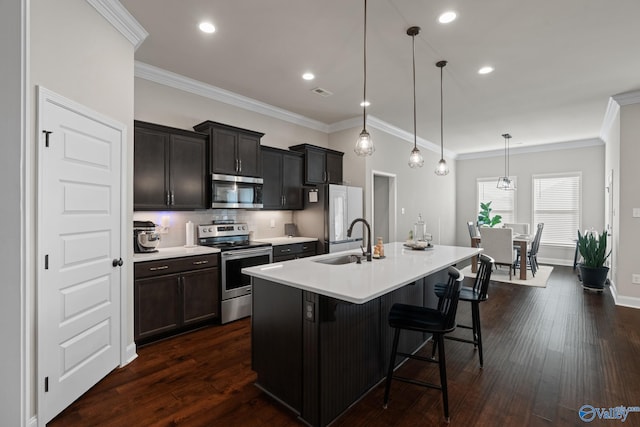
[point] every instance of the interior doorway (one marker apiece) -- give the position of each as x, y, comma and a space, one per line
384, 201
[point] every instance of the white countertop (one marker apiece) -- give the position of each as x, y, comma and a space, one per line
277, 241
174, 252
359, 283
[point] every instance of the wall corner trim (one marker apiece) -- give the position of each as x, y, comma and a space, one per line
121, 19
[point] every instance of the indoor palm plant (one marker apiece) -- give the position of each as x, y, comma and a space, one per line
593, 249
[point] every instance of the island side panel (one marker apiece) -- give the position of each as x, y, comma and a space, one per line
276, 341
350, 354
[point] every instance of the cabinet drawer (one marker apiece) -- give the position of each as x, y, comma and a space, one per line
305, 249
175, 265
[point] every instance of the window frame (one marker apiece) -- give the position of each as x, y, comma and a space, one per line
570, 243
493, 181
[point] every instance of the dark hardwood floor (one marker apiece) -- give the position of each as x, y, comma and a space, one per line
548, 351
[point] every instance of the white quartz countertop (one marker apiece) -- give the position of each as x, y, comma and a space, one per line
359, 283
277, 241
174, 252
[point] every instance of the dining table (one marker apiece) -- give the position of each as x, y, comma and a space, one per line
521, 241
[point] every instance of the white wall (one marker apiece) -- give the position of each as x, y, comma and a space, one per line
589, 161
629, 227
76, 53
12, 28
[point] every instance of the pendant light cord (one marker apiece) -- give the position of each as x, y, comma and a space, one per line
364, 91
441, 117
415, 135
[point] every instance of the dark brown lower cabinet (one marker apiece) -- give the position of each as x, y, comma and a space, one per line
175, 295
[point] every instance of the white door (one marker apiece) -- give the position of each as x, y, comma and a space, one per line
79, 236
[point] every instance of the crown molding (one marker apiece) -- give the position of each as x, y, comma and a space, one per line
567, 145
121, 19
627, 98
177, 81
376, 123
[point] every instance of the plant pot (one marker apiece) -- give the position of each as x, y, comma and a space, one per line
593, 277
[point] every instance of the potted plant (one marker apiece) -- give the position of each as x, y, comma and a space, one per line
593, 249
485, 218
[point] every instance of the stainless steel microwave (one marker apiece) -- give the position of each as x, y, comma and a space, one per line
236, 192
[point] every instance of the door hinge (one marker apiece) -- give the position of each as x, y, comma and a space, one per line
46, 384
46, 137
46, 262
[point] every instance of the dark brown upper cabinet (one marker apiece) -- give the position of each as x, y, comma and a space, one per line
233, 151
282, 172
321, 165
169, 168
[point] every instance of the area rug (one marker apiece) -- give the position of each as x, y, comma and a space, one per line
501, 274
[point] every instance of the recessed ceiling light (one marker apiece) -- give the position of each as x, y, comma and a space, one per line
365, 103
447, 17
485, 70
308, 76
207, 27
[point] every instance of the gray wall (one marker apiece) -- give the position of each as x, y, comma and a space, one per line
589, 161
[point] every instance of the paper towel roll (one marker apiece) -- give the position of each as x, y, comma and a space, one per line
190, 234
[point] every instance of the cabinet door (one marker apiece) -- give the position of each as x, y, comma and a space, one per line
200, 295
315, 166
334, 168
150, 177
292, 171
272, 176
249, 159
157, 309
223, 151
187, 165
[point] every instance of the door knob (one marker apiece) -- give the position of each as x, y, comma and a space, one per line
117, 262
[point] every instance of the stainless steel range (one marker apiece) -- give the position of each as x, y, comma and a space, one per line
237, 252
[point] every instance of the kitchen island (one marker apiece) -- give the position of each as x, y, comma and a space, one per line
320, 338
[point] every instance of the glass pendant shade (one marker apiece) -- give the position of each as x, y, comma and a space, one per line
415, 159
442, 169
364, 145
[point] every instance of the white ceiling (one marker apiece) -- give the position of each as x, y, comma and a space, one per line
556, 62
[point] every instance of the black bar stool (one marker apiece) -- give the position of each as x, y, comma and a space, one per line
475, 295
436, 321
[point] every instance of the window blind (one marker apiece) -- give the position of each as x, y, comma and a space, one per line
556, 203
502, 201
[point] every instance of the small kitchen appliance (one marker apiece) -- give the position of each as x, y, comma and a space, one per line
145, 237
237, 251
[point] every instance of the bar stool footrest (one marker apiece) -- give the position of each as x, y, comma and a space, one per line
417, 382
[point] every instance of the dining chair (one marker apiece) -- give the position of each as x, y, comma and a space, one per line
532, 254
438, 322
498, 244
473, 232
475, 295
518, 227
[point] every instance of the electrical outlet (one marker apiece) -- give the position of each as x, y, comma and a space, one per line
273, 223
636, 212
309, 311
635, 279
402, 211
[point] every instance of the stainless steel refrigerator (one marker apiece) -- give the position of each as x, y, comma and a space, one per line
329, 217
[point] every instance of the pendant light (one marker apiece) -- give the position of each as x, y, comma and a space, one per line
504, 182
415, 159
364, 144
442, 169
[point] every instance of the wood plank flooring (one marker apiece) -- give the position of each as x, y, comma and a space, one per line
548, 351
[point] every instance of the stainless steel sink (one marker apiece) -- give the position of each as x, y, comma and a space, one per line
338, 260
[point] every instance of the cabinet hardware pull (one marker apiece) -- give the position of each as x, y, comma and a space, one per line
237, 165
173, 200
161, 267
200, 262
46, 137
240, 165
286, 250
168, 198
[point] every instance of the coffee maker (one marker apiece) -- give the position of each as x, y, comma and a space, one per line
145, 237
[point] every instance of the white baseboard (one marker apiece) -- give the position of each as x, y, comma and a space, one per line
131, 354
32, 422
621, 300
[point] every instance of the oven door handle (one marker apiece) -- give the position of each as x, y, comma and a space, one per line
244, 252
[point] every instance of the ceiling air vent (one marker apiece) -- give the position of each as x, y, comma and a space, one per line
321, 92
